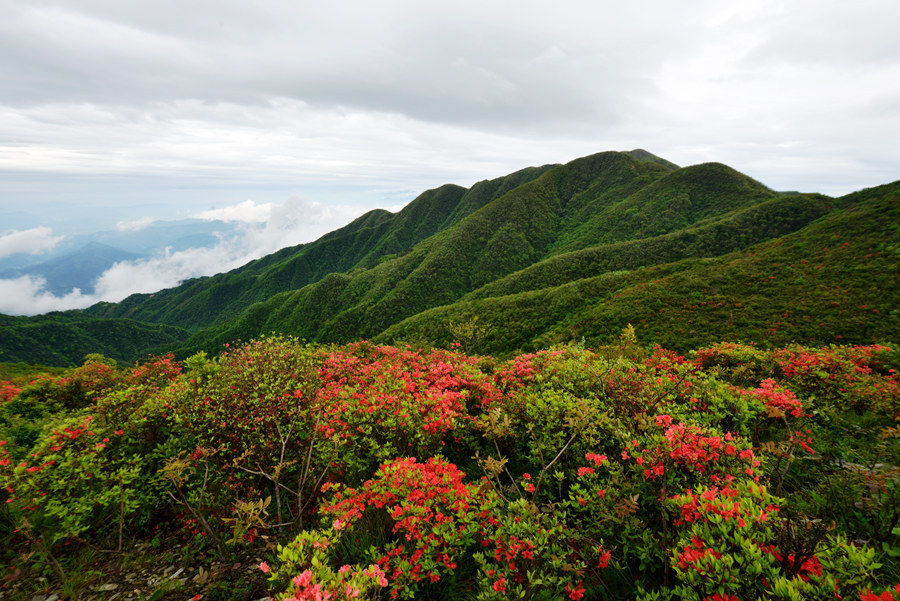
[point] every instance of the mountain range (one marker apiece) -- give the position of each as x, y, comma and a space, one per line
545, 255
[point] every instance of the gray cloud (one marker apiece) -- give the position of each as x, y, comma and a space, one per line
129, 111
489, 65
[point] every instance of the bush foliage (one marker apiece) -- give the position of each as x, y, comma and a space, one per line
372, 471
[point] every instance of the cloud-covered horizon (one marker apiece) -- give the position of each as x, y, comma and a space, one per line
799, 95
124, 113
293, 222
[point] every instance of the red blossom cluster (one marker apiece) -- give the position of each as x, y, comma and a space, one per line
722, 502
888, 595
809, 567
777, 400
408, 390
305, 589
523, 369
433, 512
661, 359
155, 372
690, 449
692, 556
8, 391
69, 434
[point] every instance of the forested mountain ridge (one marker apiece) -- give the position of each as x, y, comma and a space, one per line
202, 302
835, 281
514, 245
551, 254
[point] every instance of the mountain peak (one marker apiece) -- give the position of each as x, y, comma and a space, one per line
648, 157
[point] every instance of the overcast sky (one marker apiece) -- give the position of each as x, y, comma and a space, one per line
118, 111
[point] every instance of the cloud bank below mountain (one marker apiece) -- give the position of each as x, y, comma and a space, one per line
264, 228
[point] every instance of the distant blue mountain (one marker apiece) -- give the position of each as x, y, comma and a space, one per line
157, 237
77, 261
79, 269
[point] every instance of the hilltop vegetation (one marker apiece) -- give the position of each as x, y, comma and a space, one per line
833, 281
367, 471
65, 338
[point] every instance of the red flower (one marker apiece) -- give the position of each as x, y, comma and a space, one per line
575, 593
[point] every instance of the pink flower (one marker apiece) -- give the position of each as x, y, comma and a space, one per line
264, 567
303, 579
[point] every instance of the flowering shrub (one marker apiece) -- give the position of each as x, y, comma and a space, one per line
531, 554
742, 364
70, 485
777, 401
8, 391
841, 377
434, 517
616, 473
731, 540
306, 565
256, 408
383, 402
76, 389
687, 454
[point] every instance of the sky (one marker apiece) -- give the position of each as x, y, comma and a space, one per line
116, 114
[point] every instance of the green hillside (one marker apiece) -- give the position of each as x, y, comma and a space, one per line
835, 281
202, 302
514, 245
65, 338
689, 256
505, 235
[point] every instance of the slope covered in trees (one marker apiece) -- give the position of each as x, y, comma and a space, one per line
834, 281
368, 239
65, 338
505, 265
551, 254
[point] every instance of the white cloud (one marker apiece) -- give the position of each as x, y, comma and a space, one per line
247, 211
26, 296
34, 241
135, 225
295, 221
